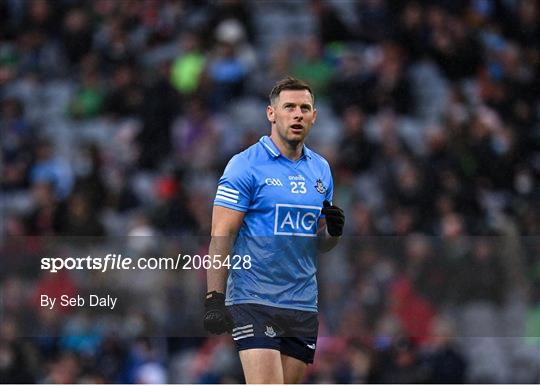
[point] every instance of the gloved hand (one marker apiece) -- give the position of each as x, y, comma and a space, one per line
335, 219
217, 318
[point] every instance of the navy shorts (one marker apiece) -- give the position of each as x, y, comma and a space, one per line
292, 332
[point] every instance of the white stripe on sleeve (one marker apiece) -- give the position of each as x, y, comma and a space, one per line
235, 196
218, 196
229, 190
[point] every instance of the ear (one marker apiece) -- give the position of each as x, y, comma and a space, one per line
314, 115
270, 114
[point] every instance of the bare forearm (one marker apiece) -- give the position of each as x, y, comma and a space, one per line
325, 241
216, 279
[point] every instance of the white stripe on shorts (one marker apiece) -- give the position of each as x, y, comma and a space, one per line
237, 333
242, 327
243, 336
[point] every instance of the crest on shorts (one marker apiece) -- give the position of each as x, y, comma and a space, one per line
319, 185
270, 332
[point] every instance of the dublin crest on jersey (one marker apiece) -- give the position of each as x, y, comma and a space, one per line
319, 185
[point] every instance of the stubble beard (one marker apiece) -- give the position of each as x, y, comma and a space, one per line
294, 143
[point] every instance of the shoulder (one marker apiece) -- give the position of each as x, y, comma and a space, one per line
319, 159
241, 165
249, 156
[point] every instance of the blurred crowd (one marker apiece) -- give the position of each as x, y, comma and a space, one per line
118, 117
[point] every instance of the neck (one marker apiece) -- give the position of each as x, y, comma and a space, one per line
291, 150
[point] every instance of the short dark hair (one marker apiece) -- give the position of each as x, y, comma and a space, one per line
289, 83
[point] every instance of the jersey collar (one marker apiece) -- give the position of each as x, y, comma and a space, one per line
274, 152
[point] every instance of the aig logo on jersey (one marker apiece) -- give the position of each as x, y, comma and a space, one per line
273, 182
296, 220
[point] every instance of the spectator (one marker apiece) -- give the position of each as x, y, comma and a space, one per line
126, 96
313, 67
195, 135
172, 215
186, 70
226, 74
49, 168
350, 84
77, 35
400, 364
374, 20
78, 218
442, 357
412, 32
17, 144
331, 27
161, 105
89, 99
357, 151
45, 216
479, 276
13, 368
65, 369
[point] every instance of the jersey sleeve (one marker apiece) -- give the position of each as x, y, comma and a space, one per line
234, 187
330, 189
329, 182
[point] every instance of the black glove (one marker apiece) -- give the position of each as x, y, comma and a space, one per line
217, 318
335, 219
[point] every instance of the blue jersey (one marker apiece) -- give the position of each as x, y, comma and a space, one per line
282, 201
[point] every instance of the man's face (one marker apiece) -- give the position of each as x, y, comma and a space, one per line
292, 114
